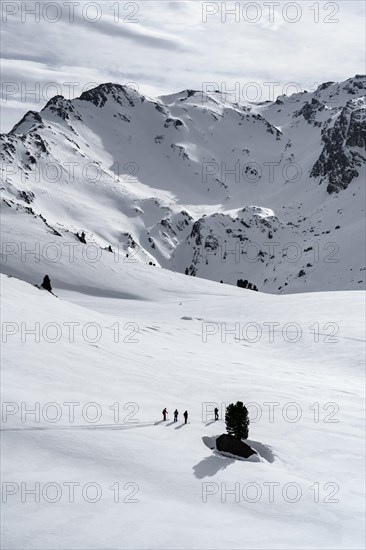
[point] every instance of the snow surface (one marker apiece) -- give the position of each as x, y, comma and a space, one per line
171, 365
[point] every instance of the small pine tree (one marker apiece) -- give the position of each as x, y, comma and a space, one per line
46, 284
237, 420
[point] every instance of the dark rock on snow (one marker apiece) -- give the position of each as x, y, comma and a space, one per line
230, 444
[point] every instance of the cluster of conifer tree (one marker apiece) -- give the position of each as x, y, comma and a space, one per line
245, 284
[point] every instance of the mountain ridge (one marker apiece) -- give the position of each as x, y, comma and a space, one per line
145, 174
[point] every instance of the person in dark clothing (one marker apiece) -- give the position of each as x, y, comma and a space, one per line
176, 415
165, 412
185, 415
216, 413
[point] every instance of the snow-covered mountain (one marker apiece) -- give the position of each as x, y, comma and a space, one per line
197, 183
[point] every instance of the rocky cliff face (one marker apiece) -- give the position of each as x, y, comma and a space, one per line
343, 147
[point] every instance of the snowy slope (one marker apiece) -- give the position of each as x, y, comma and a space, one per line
150, 177
172, 485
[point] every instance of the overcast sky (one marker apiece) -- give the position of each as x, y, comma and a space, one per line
167, 46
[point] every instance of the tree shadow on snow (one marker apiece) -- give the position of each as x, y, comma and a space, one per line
210, 442
264, 451
210, 465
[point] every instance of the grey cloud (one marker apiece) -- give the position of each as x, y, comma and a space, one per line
142, 37
23, 56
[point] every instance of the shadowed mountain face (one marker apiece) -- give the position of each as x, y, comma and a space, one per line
199, 183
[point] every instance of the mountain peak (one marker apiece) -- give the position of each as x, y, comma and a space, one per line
61, 107
30, 121
109, 90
